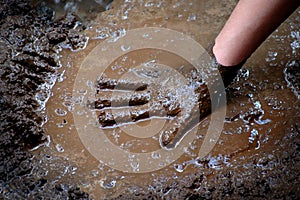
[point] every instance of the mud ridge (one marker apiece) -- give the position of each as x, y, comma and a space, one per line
29, 45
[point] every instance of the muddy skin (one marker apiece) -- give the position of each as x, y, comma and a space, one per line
29, 40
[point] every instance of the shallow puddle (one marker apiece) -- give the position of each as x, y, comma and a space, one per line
262, 108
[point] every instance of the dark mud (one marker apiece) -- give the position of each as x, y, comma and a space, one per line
29, 46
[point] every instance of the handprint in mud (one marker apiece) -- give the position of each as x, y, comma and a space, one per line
153, 91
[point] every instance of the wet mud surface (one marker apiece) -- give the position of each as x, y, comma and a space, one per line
29, 60
42, 156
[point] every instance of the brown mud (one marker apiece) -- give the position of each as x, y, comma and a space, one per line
29, 46
257, 154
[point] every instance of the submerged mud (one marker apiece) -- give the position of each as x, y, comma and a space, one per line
257, 155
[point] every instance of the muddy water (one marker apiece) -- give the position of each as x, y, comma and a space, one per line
261, 124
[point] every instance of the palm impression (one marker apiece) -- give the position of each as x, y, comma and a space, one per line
153, 90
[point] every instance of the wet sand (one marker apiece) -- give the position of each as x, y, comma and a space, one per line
257, 154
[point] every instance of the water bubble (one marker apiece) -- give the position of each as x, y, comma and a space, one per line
262, 122
149, 4
62, 77
180, 167
95, 173
253, 135
73, 170
102, 33
69, 105
117, 35
135, 166
214, 163
60, 112
60, 125
78, 100
250, 95
258, 145
59, 148
295, 45
244, 73
192, 17
125, 48
257, 105
64, 122
155, 155
146, 35
271, 56
108, 184
274, 54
